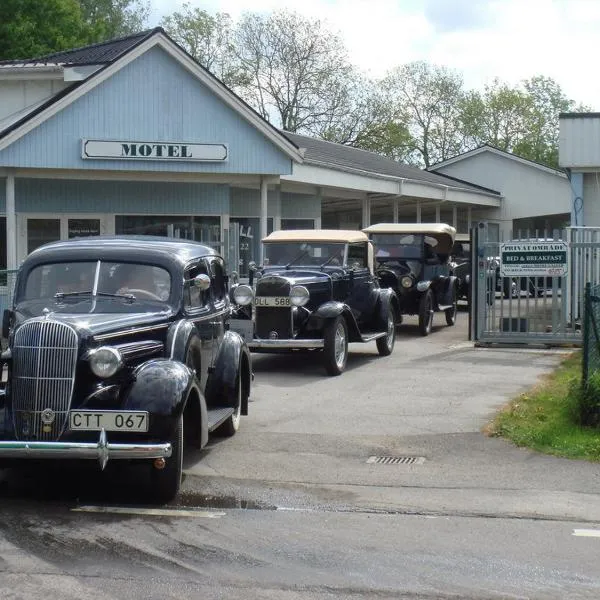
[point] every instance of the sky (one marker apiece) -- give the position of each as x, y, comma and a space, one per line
480, 39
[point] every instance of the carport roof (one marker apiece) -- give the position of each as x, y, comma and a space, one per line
338, 156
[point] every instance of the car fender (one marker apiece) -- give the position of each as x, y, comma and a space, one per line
232, 361
178, 339
331, 310
388, 298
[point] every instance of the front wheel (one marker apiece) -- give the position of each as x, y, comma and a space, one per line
335, 349
385, 345
426, 313
451, 312
167, 481
232, 424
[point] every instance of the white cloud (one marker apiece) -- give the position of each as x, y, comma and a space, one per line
482, 39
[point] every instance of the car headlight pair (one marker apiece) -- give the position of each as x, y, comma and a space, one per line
105, 361
243, 295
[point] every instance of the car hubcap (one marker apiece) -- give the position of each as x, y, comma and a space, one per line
340, 345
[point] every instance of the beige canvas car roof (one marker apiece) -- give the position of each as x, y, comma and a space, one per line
425, 228
317, 235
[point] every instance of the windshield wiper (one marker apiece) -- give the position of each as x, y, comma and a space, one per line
61, 295
297, 257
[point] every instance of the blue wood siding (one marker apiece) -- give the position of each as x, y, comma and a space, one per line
153, 98
246, 203
120, 197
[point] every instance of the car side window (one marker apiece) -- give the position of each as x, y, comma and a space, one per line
193, 297
357, 256
218, 282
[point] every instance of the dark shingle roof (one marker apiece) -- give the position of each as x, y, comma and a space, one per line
329, 154
95, 54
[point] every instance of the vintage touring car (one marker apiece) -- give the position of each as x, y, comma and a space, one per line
118, 348
316, 290
413, 260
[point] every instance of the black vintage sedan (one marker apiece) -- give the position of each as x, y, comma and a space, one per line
118, 348
317, 290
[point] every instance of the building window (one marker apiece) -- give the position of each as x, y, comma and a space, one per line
297, 223
201, 229
41, 231
244, 242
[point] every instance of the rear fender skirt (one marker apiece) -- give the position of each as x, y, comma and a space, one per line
233, 361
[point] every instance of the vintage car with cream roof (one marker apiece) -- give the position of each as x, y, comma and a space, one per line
316, 290
118, 348
413, 259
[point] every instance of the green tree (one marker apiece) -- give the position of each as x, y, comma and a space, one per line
108, 19
30, 28
427, 98
208, 38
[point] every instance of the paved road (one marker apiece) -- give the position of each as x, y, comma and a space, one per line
291, 508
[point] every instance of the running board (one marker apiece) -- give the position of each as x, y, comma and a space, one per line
217, 416
369, 337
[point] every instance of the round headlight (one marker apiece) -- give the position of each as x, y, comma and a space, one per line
243, 295
299, 295
105, 361
406, 281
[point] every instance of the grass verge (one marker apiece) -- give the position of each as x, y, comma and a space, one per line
547, 417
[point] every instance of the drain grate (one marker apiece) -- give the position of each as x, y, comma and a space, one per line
396, 460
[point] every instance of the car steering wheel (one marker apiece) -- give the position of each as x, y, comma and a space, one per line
144, 293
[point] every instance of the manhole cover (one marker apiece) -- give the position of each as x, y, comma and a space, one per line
396, 460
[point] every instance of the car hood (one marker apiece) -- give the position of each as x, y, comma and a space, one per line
94, 323
297, 276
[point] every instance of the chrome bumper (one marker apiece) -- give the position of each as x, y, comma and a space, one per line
283, 344
101, 451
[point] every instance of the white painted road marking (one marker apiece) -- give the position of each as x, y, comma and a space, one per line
150, 512
587, 532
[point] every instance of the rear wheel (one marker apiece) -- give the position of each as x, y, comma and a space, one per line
385, 345
426, 313
167, 481
451, 312
335, 349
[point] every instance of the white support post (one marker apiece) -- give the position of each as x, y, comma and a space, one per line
454, 217
319, 219
366, 212
278, 209
11, 223
418, 212
396, 206
263, 213
469, 218
437, 213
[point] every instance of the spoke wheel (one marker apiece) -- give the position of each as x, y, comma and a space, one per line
335, 350
426, 313
385, 345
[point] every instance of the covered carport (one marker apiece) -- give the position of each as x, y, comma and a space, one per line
357, 188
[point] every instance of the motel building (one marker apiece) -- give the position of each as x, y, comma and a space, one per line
132, 136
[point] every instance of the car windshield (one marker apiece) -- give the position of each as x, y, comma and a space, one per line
71, 282
311, 253
398, 245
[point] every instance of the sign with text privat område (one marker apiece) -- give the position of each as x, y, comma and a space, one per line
166, 151
525, 259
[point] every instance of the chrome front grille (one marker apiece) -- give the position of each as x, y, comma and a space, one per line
44, 354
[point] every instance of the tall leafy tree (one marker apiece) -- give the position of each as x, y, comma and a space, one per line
209, 39
107, 19
30, 28
427, 98
297, 70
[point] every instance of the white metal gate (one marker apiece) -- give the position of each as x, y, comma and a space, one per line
533, 309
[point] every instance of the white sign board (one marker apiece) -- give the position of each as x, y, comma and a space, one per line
526, 259
168, 151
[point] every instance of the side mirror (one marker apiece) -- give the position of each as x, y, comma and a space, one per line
202, 282
7, 317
